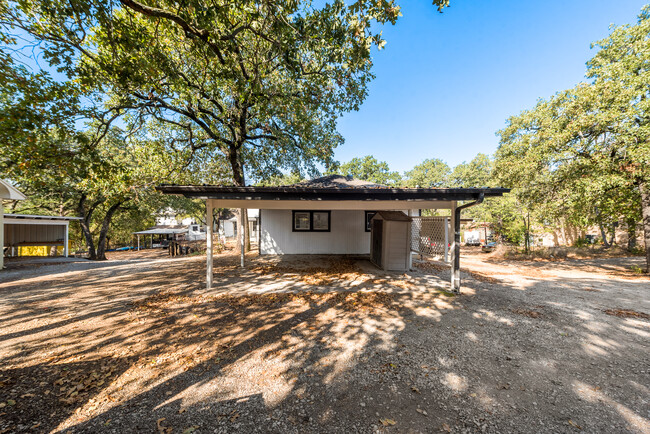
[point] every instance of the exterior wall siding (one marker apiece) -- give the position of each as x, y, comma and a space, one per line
347, 235
17, 233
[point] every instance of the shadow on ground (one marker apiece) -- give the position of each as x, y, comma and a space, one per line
335, 348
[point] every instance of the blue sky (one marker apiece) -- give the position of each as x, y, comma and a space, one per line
447, 82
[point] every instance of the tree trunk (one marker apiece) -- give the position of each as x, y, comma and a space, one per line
604, 235
612, 238
631, 234
238, 177
527, 235
645, 212
85, 226
102, 246
247, 235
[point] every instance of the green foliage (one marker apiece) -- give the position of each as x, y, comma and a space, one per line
204, 94
368, 168
476, 173
281, 180
585, 153
261, 84
430, 173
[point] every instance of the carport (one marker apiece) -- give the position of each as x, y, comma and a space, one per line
23, 230
308, 208
7, 192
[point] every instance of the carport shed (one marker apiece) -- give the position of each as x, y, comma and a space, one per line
307, 212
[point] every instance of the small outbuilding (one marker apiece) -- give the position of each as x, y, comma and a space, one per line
7, 192
390, 237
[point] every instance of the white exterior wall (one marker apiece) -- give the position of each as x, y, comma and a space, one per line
22, 233
347, 235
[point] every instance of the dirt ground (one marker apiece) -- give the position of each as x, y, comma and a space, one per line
324, 344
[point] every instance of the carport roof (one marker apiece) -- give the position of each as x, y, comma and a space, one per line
314, 191
40, 217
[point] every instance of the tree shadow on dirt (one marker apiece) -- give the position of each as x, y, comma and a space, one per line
496, 357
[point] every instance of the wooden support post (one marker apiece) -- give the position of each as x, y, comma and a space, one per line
209, 242
447, 226
242, 236
65, 240
138, 242
2, 235
455, 249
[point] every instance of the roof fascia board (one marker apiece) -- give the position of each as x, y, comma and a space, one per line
332, 205
23, 221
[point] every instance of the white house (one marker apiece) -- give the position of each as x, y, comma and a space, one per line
330, 215
228, 224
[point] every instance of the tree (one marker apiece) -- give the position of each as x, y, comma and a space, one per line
476, 173
368, 168
590, 144
261, 82
430, 173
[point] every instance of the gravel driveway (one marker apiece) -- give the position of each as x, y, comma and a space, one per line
136, 344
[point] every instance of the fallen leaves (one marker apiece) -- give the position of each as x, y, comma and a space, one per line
161, 428
573, 424
345, 300
527, 312
387, 422
344, 269
626, 313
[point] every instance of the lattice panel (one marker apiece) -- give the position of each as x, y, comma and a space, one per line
430, 237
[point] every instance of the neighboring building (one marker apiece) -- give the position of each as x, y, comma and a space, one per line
31, 235
161, 235
170, 228
477, 233
228, 224
169, 218
330, 215
7, 192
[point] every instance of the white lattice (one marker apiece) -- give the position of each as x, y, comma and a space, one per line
430, 237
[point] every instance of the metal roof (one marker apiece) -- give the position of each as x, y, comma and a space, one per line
162, 231
299, 192
337, 181
40, 217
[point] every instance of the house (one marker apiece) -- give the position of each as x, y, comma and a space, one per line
228, 224
331, 215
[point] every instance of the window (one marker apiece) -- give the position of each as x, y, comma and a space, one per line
301, 221
369, 216
311, 221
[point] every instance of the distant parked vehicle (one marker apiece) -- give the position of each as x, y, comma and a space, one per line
488, 247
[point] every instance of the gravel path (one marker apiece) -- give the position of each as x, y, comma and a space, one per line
136, 344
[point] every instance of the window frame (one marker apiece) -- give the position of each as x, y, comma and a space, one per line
311, 221
367, 225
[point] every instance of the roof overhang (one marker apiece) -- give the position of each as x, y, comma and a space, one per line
254, 194
9, 192
161, 231
27, 219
